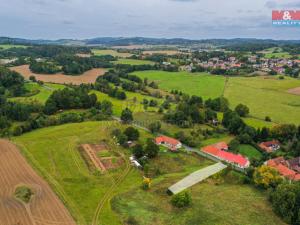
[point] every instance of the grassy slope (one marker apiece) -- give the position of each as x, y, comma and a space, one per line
266, 97
119, 105
110, 52
4, 47
43, 92
57, 158
225, 204
250, 152
134, 62
201, 84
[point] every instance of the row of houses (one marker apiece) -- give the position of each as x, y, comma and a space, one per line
218, 151
290, 169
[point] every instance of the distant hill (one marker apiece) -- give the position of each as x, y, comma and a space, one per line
124, 41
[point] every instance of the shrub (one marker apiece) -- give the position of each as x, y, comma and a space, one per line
23, 193
182, 199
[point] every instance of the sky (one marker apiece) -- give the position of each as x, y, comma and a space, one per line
193, 19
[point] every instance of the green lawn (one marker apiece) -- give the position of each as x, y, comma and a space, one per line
201, 84
8, 46
134, 62
266, 97
278, 55
250, 152
133, 102
110, 52
224, 204
39, 93
54, 152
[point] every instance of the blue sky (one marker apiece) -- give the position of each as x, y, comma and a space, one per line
195, 19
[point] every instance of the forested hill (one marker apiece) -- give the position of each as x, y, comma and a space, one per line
117, 41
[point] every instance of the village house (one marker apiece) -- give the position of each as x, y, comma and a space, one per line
270, 146
290, 169
168, 142
219, 151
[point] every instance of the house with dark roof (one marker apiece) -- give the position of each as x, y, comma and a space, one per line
270, 146
168, 142
219, 151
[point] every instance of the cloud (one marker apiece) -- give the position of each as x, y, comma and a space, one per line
271, 4
292, 4
184, 0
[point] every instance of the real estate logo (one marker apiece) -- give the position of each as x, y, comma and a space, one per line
290, 18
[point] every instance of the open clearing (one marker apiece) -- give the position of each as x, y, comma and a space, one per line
5, 47
40, 93
134, 62
57, 157
162, 52
111, 52
228, 203
201, 84
295, 91
60, 78
266, 97
44, 208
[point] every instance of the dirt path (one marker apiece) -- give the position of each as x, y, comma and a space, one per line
109, 194
59, 78
45, 208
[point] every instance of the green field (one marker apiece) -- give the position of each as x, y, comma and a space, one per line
39, 93
118, 192
250, 152
57, 158
278, 55
201, 84
8, 46
224, 204
110, 52
134, 62
266, 97
133, 102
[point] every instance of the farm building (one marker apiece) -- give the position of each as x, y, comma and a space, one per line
168, 142
270, 146
219, 151
289, 169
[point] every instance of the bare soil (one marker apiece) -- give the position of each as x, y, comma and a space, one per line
60, 78
294, 91
101, 163
44, 208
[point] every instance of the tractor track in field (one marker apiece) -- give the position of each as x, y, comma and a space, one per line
109, 193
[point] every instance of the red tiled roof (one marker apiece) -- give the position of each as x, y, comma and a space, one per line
285, 171
227, 156
211, 150
166, 139
281, 166
266, 145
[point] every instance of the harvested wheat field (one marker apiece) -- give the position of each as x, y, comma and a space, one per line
59, 78
44, 207
294, 91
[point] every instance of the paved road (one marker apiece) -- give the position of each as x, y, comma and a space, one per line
196, 177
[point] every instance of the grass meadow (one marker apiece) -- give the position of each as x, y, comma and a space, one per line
134, 62
110, 52
58, 160
229, 203
266, 97
38, 93
8, 46
201, 84
250, 152
133, 102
